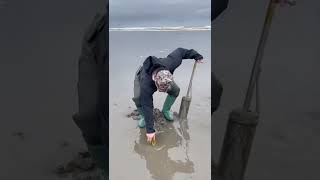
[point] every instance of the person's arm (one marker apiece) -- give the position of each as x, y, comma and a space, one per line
147, 108
182, 53
175, 58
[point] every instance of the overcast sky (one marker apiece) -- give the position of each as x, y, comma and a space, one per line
133, 13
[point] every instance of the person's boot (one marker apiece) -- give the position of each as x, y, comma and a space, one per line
141, 122
99, 154
167, 106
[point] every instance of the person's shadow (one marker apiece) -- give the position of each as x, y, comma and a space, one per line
158, 162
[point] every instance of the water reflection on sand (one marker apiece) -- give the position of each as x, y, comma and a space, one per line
158, 161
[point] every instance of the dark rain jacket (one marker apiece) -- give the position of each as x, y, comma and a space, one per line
147, 85
217, 7
93, 96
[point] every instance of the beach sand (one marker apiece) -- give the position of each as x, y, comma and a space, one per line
183, 149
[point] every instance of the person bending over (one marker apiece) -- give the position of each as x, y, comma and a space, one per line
156, 74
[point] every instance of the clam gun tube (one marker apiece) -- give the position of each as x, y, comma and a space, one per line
242, 122
186, 100
237, 144
184, 107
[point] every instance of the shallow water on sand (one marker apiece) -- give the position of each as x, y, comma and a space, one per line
183, 149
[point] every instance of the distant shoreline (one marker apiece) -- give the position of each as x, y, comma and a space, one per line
179, 28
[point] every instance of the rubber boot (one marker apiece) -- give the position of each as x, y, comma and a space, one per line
141, 122
98, 153
167, 106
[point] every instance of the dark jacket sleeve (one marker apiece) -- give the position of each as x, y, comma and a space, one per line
175, 58
181, 53
217, 7
146, 100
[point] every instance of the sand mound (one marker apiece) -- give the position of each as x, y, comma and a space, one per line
160, 122
82, 167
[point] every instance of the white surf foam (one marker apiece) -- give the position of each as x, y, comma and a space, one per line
176, 28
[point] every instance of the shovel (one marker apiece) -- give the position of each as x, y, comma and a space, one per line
186, 100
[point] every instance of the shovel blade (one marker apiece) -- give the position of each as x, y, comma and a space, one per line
184, 107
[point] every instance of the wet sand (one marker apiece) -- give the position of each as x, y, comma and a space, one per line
183, 148
286, 145
40, 45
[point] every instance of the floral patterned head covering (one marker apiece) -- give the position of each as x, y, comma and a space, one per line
162, 79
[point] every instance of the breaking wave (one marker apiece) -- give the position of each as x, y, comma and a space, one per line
177, 28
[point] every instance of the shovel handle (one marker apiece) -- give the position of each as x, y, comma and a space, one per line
190, 83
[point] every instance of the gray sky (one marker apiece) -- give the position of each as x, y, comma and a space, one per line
132, 13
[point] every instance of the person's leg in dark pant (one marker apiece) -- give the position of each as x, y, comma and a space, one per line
136, 100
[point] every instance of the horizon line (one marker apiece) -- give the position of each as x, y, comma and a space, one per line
162, 28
